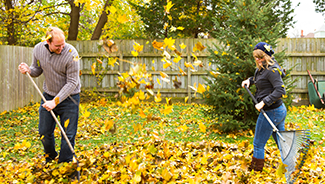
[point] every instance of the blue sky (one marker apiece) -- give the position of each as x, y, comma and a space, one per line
306, 17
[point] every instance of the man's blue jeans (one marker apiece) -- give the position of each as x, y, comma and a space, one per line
66, 110
264, 130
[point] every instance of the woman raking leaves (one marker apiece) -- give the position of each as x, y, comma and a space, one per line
269, 91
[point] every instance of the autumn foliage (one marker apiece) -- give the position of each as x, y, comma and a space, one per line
139, 139
115, 146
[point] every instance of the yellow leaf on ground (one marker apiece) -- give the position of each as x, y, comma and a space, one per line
167, 110
202, 127
142, 114
281, 170
183, 128
167, 175
137, 178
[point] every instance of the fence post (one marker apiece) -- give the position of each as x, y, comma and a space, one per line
189, 82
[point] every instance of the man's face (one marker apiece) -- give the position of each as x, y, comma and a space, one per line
57, 44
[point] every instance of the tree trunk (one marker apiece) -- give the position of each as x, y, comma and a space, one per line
101, 22
74, 21
10, 27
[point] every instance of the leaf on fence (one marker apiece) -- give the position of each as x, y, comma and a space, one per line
137, 47
177, 83
134, 53
112, 61
169, 42
187, 65
199, 47
181, 71
93, 68
182, 46
164, 75
158, 45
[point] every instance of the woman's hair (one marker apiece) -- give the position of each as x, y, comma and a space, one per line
260, 54
53, 32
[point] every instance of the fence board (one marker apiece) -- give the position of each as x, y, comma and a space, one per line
2, 78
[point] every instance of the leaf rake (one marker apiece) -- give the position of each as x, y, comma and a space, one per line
293, 146
59, 125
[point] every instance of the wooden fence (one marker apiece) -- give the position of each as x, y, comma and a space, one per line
304, 54
17, 91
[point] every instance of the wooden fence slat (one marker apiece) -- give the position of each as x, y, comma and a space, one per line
2, 78
5, 84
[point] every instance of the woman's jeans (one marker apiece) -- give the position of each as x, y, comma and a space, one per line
66, 110
264, 130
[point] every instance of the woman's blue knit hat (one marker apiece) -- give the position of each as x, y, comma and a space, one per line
265, 47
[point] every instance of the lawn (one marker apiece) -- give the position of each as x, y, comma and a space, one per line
119, 144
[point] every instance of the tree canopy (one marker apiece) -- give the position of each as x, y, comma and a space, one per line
192, 17
320, 6
24, 22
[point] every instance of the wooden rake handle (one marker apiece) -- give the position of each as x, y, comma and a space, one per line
265, 115
56, 119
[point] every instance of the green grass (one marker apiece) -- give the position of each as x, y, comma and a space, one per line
21, 125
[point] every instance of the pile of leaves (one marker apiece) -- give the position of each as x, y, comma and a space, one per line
120, 145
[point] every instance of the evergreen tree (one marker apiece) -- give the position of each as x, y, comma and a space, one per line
319, 6
249, 22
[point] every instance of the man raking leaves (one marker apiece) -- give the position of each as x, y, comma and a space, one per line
55, 59
269, 91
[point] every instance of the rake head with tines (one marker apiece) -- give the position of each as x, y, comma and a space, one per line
294, 151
